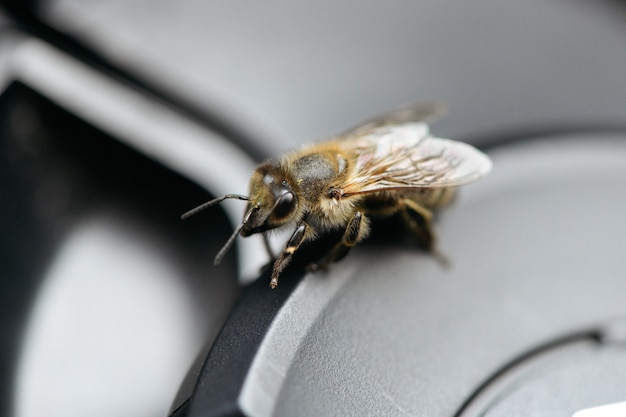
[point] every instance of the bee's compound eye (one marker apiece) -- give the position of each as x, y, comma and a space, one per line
285, 205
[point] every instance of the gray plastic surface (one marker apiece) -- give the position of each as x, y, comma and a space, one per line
574, 379
291, 72
537, 251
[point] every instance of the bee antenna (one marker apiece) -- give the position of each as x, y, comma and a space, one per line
231, 239
212, 203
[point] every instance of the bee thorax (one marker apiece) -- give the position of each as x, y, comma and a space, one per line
335, 193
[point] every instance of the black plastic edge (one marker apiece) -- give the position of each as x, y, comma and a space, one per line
225, 368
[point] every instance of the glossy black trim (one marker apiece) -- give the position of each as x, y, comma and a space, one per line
88, 175
225, 368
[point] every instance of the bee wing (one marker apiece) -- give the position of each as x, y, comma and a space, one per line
412, 113
406, 156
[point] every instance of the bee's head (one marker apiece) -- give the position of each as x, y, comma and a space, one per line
272, 202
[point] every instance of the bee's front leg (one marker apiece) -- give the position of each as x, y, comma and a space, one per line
268, 246
299, 235
270, 253
356, 230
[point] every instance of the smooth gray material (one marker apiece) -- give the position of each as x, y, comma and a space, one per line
537, 252
579, 373
577, 379
296, 71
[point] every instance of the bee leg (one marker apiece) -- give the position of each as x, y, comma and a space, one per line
268, 247
270, 253
419, 221
296, 239
356, 230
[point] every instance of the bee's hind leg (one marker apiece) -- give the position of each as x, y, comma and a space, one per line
419, 222
356, 230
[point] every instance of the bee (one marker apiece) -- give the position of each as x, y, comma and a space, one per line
388, 165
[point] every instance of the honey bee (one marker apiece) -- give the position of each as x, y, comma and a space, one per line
388, 165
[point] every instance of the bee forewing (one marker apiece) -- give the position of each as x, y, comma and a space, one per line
461, 163
407, 156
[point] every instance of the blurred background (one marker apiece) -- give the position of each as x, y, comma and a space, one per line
117, 116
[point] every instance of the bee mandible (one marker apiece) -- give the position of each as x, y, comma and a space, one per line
389, 165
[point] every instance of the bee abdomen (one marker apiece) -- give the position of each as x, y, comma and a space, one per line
434, 198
